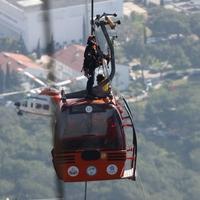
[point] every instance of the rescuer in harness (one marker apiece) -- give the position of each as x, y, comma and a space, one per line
92, 59
90, 62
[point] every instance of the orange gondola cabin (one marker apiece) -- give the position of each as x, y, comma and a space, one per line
94, 138
90, 141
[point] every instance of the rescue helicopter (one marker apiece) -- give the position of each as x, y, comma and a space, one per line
43, 100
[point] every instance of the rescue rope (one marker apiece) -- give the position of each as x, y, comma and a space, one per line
85, 196
141, 185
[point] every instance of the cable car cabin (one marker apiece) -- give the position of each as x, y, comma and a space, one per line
90, 142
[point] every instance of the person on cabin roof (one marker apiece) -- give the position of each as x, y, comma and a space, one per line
92, 59
103, 90
100, 78
90, 62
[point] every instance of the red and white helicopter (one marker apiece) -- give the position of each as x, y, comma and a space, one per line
42, 100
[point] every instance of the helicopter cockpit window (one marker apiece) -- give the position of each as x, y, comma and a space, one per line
38, 106
46, 107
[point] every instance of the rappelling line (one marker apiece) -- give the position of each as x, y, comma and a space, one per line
142, 186
85, 196
92, 17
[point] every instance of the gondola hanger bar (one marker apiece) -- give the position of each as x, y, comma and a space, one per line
92, 17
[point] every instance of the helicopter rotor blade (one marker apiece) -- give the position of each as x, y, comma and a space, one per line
32, 77
12, 93
34, 90
69, 81
62, 83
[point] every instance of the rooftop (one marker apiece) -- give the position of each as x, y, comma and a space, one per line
187, 6
16, 60
129, 7
72, 56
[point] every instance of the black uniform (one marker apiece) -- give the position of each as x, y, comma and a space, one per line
90, 63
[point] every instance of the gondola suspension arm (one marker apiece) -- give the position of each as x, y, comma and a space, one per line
102, 23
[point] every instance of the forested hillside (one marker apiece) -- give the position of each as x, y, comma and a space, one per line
168, 158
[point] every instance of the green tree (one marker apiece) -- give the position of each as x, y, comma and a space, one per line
38, 50
50, 49
192, 50
9, 44
8, 76
135, 47
6, 187
174, 108
22, 46
195, 24
172, 54
164, 22
2, 76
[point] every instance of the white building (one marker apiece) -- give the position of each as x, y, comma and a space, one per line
69, 19
197, 2
121, 80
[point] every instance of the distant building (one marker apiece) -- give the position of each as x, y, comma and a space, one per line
69, 20
68, 61
156, 2
15, 61
188, 7
147, 2
130, 7
121, 80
